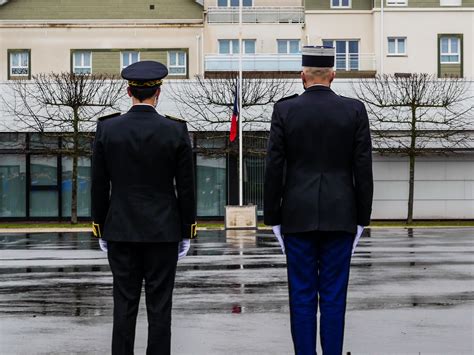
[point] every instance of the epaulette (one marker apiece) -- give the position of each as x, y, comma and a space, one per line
106, 117
175, 118
288, 97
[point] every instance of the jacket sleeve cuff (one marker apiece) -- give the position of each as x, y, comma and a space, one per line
364, 222
271, 221
190, 231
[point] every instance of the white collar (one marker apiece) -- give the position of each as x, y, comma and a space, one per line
142, 104
317, 85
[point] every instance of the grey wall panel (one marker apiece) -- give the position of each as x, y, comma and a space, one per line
444, 187
460, 209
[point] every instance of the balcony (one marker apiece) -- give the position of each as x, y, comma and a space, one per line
253, 62
347, 65
261, 14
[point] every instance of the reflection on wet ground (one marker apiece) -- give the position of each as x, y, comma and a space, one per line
240, 272
67, 274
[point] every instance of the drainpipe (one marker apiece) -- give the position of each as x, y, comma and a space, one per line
382, 41
198, 57
203, 68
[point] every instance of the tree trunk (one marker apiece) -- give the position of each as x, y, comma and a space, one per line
74, 190
75, 159
412, 156
411, 189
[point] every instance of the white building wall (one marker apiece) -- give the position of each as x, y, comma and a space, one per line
444, 187
266, 35
340, 25
421, 27
51, 47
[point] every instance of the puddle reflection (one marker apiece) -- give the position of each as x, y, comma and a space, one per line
66, 274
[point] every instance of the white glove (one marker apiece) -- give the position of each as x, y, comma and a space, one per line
360, 229
183, 248
103, 245
277, 232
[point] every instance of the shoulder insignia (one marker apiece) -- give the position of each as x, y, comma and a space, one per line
106, 117
175, 118
288, 97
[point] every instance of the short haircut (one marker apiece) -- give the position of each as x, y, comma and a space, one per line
317, 73
143, 93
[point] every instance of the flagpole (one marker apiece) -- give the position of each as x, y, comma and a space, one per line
241, 157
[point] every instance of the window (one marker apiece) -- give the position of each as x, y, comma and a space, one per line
177, 62
397, 46
234, 3
231, 46
288, 46
12, 186
450, 50
44, 186
12, 140
249, 46
20, 63
228, 46
211, 184
347, 53
82, 62
397, 2
340, 3
128, 58
450, 2
83, 187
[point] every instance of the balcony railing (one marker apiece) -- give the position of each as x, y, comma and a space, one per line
253, 62
282, 14
355, 62
284, 62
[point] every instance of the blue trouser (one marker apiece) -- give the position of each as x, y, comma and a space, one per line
318, 265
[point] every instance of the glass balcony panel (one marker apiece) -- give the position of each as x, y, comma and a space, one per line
255, 14
284, 62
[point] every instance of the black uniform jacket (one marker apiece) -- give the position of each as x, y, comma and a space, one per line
136, 159
319, 164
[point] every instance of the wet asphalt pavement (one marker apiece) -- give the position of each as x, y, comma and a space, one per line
411, 292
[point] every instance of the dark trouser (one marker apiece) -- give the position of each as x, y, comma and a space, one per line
318, 265
130, 264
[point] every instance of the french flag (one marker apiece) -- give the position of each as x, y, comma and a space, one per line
233, 124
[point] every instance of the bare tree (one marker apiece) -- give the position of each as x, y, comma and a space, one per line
65, 105
417, 113
207, 103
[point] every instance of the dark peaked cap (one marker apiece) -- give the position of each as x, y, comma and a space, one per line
318, 56
146, 73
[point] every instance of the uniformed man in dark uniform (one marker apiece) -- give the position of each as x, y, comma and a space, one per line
318, 190
143, 206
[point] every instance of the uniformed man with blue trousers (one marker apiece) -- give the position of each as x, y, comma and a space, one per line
318, 190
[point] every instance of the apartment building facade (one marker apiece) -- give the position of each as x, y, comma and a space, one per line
98, 37
201, 38
194, 38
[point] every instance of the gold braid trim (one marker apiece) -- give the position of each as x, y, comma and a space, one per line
145, 83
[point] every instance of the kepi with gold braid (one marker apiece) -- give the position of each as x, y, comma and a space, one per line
145, 84
145, 74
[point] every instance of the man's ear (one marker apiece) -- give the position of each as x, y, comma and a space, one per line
157, 93
129, 92
303, 79
333, 76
